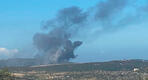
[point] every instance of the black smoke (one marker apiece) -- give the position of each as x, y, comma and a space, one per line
104, 10
56, 46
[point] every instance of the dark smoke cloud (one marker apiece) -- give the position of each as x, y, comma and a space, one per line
105, 10
112, 15
68, 19
56, 45
109, 14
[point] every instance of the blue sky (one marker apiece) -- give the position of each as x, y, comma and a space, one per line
21, 19
24, 17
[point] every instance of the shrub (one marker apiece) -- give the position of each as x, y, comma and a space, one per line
5, 75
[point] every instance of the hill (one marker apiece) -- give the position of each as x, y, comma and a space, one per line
112, 70
122, 65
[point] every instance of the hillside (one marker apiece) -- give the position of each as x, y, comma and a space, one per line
112, 70
123, 65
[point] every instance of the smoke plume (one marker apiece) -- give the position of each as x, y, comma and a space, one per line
56, 46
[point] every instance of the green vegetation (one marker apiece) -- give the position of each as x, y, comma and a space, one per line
113, 70
126, 65
5, 75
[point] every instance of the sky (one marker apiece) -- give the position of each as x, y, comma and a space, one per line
21, 19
